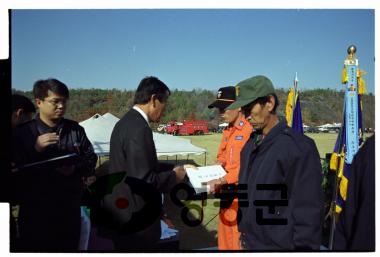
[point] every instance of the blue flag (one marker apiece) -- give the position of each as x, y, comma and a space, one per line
297, 117
293, 109
350, 136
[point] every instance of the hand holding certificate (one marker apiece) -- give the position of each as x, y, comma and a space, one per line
204, 174
180, 171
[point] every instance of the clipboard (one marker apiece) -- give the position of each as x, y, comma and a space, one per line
67, 159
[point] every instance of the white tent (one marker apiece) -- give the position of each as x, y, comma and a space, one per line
169, 145
111, 118
99, 129
328, 126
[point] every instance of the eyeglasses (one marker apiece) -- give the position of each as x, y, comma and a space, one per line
56, 102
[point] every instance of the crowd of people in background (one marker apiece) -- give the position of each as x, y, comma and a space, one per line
278, 169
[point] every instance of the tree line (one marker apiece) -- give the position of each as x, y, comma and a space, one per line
319, 106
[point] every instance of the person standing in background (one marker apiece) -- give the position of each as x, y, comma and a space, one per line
355, 230
22, 110
233, 139
51, 195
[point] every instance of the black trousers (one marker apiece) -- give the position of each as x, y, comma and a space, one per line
48, 228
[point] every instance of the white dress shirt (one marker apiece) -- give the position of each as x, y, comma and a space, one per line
142, 113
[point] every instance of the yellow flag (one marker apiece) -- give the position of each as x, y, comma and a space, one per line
361, 82
344, 75
289, 107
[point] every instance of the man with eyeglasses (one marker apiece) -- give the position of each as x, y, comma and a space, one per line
50, 199
283, 175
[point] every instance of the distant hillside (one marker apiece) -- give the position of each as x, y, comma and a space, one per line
318, 106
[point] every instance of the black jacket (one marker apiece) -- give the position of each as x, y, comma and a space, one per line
49, 200
133, 151
283, 158
355, 230
73, 139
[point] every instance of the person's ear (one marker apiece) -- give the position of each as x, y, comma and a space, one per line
270, 104
19, 112
38, 102
153, 100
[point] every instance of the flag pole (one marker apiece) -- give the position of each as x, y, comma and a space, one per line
294, 98
350, 64
335, 194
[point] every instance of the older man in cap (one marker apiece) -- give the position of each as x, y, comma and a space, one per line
233, 139
282, 172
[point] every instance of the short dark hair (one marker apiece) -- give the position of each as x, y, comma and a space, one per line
41, 88
151, 86
246, 109
22, 102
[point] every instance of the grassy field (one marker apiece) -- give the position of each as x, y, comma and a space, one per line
205, 234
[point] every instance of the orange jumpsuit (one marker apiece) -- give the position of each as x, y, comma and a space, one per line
233, 140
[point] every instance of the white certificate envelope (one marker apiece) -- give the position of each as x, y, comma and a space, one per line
204, 174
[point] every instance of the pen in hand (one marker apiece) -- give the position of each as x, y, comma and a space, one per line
59, 138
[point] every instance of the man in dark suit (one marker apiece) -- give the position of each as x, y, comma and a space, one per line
133, 151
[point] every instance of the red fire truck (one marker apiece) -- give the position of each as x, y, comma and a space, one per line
186, 127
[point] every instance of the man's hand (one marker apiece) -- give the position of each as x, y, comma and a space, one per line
45, 140
66, 170
180, 171
168, 222
215, 185
89, 180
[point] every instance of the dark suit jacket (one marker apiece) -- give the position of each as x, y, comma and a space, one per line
133, 151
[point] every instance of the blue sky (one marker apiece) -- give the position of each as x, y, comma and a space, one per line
189, 48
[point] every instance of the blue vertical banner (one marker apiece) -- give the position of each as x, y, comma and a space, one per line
352, 126
351, 134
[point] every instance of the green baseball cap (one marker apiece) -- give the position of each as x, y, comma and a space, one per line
250, 89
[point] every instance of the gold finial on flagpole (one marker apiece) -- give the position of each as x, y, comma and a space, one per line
351, 51
351, 58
